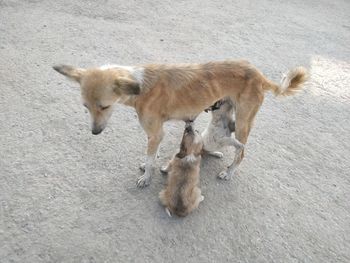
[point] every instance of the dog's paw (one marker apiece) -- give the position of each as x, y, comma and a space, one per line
142, 166
224, 175
202, 198
143, 181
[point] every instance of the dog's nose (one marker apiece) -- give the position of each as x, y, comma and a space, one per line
96, 131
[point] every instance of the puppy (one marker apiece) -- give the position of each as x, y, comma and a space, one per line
218, 132
182, 194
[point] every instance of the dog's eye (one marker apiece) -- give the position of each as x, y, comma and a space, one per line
105, 107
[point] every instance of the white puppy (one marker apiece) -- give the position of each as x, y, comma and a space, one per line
218, 133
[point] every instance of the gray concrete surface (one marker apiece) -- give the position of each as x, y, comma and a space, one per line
69, 196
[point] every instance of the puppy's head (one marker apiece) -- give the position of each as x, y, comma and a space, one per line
222, 106
191, 144
100, 89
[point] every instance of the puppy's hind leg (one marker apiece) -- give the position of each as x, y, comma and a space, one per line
164, 201
199, 197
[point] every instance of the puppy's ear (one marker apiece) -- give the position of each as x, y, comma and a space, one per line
126, 86
70, 72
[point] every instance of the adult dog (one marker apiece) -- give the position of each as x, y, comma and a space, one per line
180, 91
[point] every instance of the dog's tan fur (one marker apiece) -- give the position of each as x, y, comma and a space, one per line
163, 92
182, 194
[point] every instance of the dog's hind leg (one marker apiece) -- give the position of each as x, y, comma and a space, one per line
155, 136
245, 113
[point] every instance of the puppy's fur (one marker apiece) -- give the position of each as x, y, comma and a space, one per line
218, 132
180, 91
182, 193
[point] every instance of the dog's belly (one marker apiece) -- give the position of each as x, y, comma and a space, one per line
184, 115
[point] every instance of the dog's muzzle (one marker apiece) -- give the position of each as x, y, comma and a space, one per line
96, 130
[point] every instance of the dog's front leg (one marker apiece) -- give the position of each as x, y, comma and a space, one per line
152, 149
145, 179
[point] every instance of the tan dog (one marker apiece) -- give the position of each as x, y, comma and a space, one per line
163, 92
182, 194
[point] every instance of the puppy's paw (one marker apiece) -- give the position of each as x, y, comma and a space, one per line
142, 166
201, 198
224, 175
164, 169
168, 212
217, 154
143, 181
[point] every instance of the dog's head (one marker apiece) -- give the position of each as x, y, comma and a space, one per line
100, 89
191, 144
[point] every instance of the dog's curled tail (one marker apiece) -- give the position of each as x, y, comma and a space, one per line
290, 84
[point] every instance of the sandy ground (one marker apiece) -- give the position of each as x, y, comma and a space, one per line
69, 196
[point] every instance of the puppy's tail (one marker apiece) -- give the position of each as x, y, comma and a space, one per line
290, 83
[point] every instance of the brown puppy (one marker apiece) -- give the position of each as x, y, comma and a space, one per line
181, 91
182, 194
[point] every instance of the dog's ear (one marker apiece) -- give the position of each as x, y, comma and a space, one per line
126, 86
70, 72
